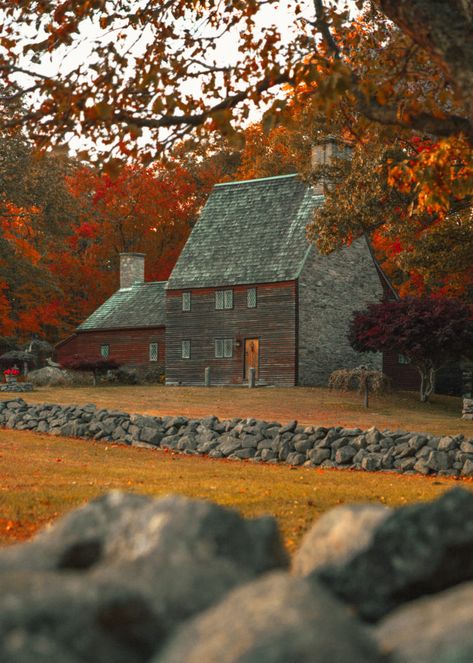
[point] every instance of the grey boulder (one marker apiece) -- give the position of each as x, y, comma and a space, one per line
433, 629
419, 549
338, 536
277, 619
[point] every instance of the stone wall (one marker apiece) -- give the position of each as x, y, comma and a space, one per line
467, 409
130, 579
331, 288
251, 439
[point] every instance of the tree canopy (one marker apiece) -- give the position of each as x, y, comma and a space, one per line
115, 69
428, 331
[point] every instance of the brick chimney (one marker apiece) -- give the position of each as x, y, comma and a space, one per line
132, 269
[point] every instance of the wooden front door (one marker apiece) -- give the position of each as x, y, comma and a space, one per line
251, 356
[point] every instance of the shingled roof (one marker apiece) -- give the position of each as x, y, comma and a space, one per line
249, 232
142, 305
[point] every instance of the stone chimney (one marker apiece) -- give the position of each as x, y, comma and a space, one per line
324, 151
132, 269
328, 148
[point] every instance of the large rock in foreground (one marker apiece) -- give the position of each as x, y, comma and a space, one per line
274, 620
168, 558
420, 549
338, 536
130, 579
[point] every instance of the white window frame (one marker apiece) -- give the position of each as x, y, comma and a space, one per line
153, 351
248, 295
186, 301
186, 349
219, 348
105, 350
228, 348
223, 348
219, 300
228, 299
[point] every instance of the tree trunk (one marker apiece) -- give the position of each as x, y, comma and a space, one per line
427, 382
367, 391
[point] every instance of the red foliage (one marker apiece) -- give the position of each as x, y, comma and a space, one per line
425, 329
90, 363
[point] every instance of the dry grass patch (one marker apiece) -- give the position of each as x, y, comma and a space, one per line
42, 477
309, 405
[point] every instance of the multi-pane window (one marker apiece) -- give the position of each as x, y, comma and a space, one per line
185, 349
228, 298
223, 348
186, 301
105, 350
223, 299
153, 351
251, 297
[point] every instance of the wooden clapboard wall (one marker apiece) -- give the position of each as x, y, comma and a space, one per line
272, 322
128, 346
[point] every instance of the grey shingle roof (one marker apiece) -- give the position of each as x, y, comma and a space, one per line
249, 232
142, 305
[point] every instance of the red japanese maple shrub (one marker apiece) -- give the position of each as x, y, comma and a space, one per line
428, 331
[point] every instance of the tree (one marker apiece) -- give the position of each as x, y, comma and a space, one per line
169, 76
428, 331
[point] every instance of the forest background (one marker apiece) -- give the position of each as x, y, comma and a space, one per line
407, 186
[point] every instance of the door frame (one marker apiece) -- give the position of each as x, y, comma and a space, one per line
251, 338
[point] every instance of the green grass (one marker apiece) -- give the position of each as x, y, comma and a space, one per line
42, 477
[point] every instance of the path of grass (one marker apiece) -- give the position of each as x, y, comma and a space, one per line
43, 477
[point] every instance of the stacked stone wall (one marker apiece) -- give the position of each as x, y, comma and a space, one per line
252, 439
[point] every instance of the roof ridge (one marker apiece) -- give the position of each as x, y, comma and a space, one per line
257, 179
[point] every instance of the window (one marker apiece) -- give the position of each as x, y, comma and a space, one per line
223, 348
251, 298
219, 348
228, 298
402, 359
153, 351
228, 347
219, 299
185, 349
223, 299
186, 301
105, 350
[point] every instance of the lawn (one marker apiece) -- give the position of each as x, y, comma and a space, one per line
43, 477
307, 405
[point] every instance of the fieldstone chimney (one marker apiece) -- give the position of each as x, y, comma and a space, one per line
328, 148
323, 152
132, 269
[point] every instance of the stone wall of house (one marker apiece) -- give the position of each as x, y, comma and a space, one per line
331, 288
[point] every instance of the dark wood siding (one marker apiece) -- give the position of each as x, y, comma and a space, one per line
128, 346
273, 322
403, 376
